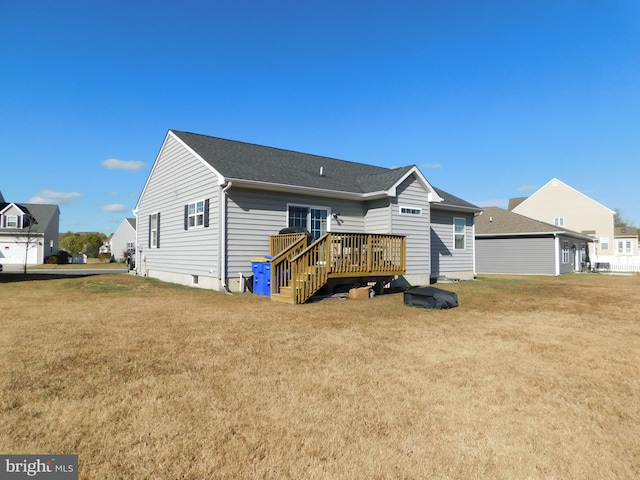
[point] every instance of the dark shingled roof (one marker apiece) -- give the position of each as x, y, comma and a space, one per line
514, 202
497, 221
453, 201
41, 212
246, 161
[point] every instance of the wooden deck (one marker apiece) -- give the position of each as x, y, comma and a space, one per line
298, 270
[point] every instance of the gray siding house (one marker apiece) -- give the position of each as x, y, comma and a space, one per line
209, 206
510, 243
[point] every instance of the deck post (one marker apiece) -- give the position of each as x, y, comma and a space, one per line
369, 253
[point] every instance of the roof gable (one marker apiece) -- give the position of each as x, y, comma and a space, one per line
554, 183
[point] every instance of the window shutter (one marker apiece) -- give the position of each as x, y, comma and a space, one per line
206, 212
158, 231
149, 231
186, 217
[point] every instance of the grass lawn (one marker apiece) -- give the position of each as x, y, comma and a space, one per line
529, 378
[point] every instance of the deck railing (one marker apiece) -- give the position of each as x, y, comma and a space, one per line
304, 271
280, 243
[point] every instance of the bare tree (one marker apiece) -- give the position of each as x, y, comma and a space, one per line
30, 237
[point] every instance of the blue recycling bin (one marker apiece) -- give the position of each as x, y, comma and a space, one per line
261, 268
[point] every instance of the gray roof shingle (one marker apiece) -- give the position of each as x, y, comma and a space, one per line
497, 221
246, 161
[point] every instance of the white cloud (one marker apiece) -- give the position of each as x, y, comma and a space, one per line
55, 198
114, 207
130, 165
525, 188
432, 165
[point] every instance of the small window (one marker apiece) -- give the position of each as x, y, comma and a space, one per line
559, 221
604, 243
12, 221
196, 214
410, 211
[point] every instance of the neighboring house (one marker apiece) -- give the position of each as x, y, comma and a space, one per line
28, 231
559, 204
509, 243
124, 239
105, 247
210, 205
626, 245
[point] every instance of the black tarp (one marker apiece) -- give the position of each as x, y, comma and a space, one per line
430, 297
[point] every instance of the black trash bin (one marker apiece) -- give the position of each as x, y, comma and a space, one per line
289, 230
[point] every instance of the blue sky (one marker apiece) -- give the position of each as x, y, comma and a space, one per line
491, 99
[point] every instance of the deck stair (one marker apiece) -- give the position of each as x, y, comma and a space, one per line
298, 270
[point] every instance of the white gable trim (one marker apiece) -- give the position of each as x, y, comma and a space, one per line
8, 207
170, 134
431, 192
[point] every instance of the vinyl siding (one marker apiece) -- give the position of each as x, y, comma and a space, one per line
378, 216
445, 260
416, 227
252, 216
178, 178
516, 255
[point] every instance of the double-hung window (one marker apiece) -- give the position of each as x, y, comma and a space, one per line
565, 251
154, 230
12, 221
196, 214
459, 233
558, 221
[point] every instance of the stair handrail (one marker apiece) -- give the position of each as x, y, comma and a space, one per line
312, 262
280, 263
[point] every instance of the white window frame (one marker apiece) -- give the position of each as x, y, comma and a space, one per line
565, 252
410, 210
153, 227
456, 234
12, 219
196, 214
309, 220
558, 221
604, 243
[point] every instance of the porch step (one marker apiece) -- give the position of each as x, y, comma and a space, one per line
282, 297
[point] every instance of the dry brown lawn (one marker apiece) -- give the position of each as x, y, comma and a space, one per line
529, 378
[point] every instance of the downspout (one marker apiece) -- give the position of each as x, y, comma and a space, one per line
557, 261
223, 236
